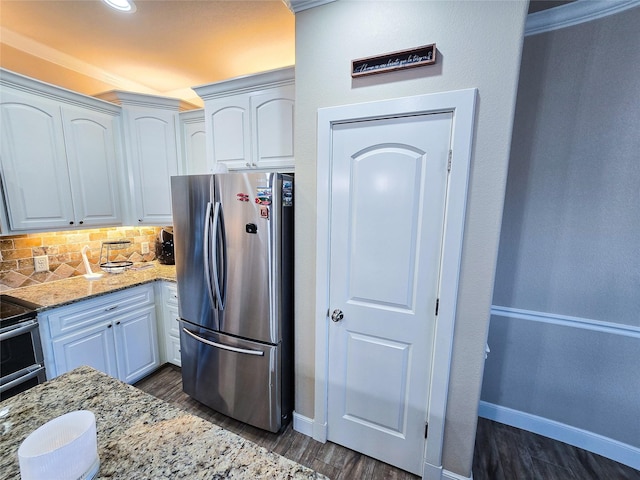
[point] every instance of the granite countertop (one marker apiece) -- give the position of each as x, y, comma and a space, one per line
139, 436
63, 292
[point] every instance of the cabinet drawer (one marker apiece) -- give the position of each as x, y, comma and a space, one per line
67, 319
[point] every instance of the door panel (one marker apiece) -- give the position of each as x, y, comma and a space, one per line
136, 344
250, 253
387, 366
189, 197
394, 174
93, 167
92, 346
272, 127
241, 381
33, 163
230, 131
155, 160
389, 179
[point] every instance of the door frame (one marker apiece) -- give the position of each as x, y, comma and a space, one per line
462, 104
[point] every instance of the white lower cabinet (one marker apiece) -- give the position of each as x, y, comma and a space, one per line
170, 327
114, 333
93, 346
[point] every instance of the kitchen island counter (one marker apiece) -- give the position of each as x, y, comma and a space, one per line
63, 292
139, 436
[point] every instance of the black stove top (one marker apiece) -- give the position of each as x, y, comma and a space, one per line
14, 310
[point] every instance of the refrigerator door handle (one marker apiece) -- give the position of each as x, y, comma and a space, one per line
206, 249
218, 231
222, 345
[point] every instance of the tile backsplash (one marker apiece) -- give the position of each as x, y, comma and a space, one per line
63, 250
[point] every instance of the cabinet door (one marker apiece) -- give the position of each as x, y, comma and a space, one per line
93, 166
136, 344
193, 137
173, 354
172, 334
228, 121
272, 128
35, 178
169, 324
91, 346
154, 157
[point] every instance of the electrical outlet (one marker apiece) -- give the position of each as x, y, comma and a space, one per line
41, 263
145, 247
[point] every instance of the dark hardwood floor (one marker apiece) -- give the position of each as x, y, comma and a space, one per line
334, 461
505, 453
502, 452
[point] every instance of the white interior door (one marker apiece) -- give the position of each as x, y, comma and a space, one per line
388, 192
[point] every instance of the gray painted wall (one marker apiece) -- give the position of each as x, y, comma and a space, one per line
570, 241
479, 45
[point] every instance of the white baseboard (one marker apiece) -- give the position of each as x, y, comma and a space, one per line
303, 424
447, 475
592, 442
307, 426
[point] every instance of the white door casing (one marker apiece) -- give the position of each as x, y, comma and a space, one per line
454, 111
389, 181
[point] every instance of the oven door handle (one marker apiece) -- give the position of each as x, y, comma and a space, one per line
24, 378
18, 329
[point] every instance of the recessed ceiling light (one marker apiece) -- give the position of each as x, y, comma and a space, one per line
122, 5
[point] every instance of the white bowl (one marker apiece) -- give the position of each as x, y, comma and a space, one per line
63, 448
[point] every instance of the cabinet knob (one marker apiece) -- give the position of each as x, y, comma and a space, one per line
140, 220
117, 323
71, 223
109, 326
81, 222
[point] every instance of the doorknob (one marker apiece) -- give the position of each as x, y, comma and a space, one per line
337, 315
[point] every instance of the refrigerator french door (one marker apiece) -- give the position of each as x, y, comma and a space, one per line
233, 242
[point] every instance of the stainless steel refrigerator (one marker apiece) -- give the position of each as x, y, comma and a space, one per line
233, 241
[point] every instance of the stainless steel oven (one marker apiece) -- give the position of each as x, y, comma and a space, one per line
22, 363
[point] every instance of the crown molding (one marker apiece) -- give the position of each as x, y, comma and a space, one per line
299, 5
574, 13
43, 89
247, 83
39, 50
120, 97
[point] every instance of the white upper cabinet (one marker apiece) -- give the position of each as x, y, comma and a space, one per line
272, 127
229, 141
193, 143
154, 159
59, 162
93, 166
150, 136
249, 121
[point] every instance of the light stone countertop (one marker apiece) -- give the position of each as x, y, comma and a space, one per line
139, 436
63, 292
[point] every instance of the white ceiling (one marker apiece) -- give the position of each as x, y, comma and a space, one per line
163, 48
